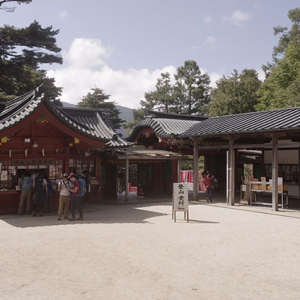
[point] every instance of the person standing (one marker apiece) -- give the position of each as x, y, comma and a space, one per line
77, 194
86, 177
40, 192
49, 195
25, 194
208, 180
64, 187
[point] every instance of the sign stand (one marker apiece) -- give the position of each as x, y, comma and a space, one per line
180, 200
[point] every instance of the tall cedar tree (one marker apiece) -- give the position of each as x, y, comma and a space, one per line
96, 100
162, 99
22, 52
189, 95
191, 89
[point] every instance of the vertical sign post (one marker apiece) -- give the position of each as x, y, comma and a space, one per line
180, 200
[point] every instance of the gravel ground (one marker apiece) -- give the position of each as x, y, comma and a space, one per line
136, 251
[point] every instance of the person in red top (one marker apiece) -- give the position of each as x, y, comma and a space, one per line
208, 181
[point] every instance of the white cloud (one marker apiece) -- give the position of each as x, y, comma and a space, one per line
210, 40
63, 14
261, 74
208, 19
85, 67
214, 77
87, 53
237, 17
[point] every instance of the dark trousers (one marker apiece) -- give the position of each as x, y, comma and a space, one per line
39, 198
209, 193
48, 202
76, 203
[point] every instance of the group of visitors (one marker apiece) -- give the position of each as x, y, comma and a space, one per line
72, 188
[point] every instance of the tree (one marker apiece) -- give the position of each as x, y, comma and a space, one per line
11, 9
189, 95
286, 37
235, 94
96, 100
191, 89
162, 99
138, 115
22, 52
281, 89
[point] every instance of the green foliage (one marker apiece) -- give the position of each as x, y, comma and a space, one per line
286, 37
22, 52
281, 89
162, 99
189, 95
235, 94
96, 100
293, 35
191, 89
138, 115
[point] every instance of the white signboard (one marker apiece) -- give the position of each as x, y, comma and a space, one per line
180, 198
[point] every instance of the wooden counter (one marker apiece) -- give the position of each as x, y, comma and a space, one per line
9, 202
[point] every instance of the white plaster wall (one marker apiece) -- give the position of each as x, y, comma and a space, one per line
284, 157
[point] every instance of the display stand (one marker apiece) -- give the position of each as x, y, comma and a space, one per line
264, 187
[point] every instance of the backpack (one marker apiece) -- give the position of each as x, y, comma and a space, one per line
49, 185
38, 184
27, 184
81, 191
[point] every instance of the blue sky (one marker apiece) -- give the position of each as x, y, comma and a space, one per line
122, 46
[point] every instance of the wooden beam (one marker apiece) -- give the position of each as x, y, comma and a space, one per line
274, 173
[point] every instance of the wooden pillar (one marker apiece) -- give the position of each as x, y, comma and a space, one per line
231, 171
299, 169
67, 161
179, 170
274, 173
227, 177
195, 169
126, 181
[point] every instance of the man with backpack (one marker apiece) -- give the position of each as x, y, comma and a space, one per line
25, 194
40, 191
77, 191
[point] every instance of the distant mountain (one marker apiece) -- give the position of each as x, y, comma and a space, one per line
125, 114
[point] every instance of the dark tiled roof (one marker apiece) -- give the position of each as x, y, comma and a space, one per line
163, 128
85, 122
18, 109
163, 115
92, 119
263, 121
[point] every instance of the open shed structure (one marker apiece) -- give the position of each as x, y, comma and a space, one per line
275, 133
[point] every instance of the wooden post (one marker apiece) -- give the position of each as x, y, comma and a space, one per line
195, 168
126, 180
274, 173
179, 170
227, 177
231, 191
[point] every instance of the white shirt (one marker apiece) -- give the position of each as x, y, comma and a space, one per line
64, 186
